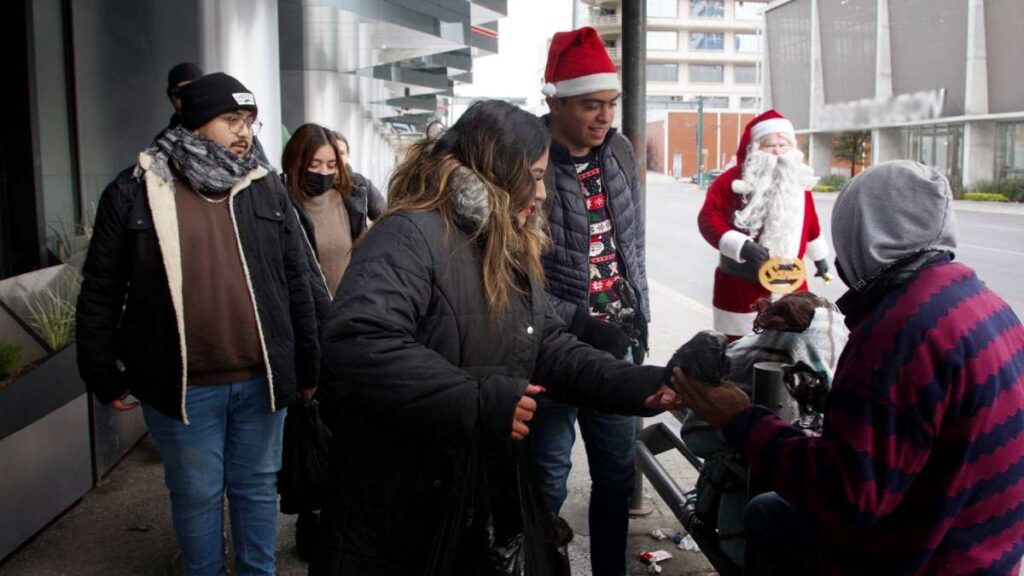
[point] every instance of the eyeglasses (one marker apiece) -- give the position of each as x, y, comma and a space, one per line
781, 146
237, 121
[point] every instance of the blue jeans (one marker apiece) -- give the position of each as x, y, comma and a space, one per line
780, 540
610, 440
232, 444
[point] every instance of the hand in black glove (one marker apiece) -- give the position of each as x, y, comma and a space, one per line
754, 253
822, 267
606, 336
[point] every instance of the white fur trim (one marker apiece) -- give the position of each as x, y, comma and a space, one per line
165, 222
731, 244
771, 126
733, 323
817, 249
548, 89
587, 84
741, 186
256, 174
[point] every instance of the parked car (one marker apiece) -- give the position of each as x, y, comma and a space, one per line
709, 177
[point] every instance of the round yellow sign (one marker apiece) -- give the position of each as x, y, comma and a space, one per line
782, 275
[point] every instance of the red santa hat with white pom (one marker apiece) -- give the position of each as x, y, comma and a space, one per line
578, 64
769, 122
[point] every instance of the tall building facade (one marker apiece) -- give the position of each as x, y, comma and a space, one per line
708, 48
937, 81
697, 50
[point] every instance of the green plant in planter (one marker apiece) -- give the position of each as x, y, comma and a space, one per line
52, 310
10, 359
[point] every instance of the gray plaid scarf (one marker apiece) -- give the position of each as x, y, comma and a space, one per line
208, 167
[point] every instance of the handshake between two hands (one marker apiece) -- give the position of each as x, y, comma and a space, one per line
715, 404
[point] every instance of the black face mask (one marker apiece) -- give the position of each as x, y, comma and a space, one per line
317, 184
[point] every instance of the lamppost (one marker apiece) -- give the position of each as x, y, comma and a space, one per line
700, 141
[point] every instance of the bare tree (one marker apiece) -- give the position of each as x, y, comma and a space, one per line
851, 147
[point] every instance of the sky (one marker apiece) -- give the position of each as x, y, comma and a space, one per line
516, 71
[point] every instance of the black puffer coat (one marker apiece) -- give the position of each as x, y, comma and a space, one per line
129, 308
422, 371
567, 265
366, 200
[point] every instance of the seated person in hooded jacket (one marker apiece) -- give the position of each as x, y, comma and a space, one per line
919, 466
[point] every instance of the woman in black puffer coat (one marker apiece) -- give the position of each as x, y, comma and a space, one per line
440, 336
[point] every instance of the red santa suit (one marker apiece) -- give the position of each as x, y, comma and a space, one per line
734, 295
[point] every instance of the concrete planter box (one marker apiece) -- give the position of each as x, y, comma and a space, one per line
114, 433
44, 447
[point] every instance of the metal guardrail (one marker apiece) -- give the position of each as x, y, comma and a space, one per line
770, 391
658, 439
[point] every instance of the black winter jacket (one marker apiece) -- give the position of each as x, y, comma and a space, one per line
367, 200
129, 308
567, 264
422, 372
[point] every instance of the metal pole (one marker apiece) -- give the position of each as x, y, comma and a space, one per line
634, 127
700, 141
634, 85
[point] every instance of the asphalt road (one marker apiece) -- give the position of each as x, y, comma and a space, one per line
678, 259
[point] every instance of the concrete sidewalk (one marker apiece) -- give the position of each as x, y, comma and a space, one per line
123, 526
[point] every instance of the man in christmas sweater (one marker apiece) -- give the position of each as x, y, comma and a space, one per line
760, 208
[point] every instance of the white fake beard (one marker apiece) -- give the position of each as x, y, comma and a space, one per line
773, 209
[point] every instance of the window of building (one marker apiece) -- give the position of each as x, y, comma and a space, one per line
716, 102
707, 73
744, 74
662, 8
670, 103
1010, 150
747, 43
707, 8
662, 40
937, 146
749, 102
748, 11
662, 72
707, 41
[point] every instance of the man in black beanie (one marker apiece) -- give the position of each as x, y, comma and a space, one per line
195, 300
178, 77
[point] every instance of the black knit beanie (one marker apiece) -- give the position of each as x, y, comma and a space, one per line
204, 99
180, 73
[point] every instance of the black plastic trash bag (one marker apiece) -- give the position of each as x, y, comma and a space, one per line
302, 481
702, 358
498, 525
539, 548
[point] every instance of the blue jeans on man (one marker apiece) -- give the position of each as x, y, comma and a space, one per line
610, 441
231, 445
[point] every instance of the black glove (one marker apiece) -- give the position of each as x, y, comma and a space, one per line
606, 336
822, 267
754, 253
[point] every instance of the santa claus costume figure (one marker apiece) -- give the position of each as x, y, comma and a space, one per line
760, 208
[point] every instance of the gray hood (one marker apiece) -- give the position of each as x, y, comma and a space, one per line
888, 212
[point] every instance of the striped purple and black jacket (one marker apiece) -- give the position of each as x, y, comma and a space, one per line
920, 467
